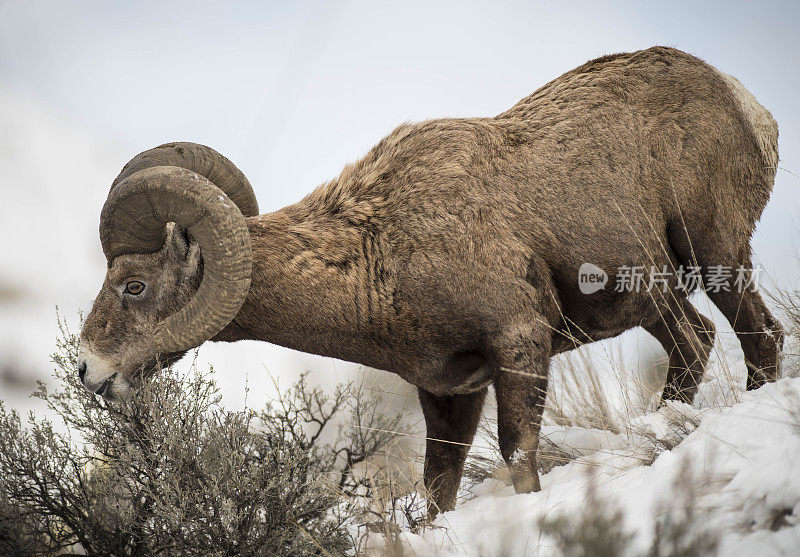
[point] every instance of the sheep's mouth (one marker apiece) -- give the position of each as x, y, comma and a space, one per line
118, 387
114, 389
103, 390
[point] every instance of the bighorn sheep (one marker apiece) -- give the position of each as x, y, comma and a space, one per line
450, 253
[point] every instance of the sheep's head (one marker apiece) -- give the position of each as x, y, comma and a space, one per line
179, 260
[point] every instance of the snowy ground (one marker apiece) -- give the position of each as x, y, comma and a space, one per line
735, 468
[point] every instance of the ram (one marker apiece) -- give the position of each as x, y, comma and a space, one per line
450, 253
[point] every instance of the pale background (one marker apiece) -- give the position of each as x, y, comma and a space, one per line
291, 92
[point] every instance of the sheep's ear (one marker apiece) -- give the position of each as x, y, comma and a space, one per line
192, 254
183, 247
178, 242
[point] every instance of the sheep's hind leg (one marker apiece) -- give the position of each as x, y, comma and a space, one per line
451, 422
760, 334
688, 337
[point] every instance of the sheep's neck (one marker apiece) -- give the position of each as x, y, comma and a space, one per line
313, 287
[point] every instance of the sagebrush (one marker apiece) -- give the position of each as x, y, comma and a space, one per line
173, 472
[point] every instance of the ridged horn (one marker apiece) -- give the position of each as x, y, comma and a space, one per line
201, 159
134, 219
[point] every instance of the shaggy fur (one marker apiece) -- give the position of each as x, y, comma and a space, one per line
449, 254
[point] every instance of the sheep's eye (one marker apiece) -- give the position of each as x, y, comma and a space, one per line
134, 287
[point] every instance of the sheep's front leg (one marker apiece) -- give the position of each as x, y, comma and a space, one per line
523, 356
451, 422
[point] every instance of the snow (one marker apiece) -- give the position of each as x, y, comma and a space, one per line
739, 463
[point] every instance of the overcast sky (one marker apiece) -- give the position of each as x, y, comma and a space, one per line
293, 91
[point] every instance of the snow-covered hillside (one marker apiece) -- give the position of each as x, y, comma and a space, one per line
721, 476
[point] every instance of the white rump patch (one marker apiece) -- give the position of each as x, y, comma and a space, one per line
764, 127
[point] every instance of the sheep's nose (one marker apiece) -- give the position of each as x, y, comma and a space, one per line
82, 369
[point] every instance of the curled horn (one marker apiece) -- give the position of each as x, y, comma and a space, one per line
175, 183
201, 159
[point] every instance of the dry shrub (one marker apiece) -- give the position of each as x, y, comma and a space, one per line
173, 472
599, 529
